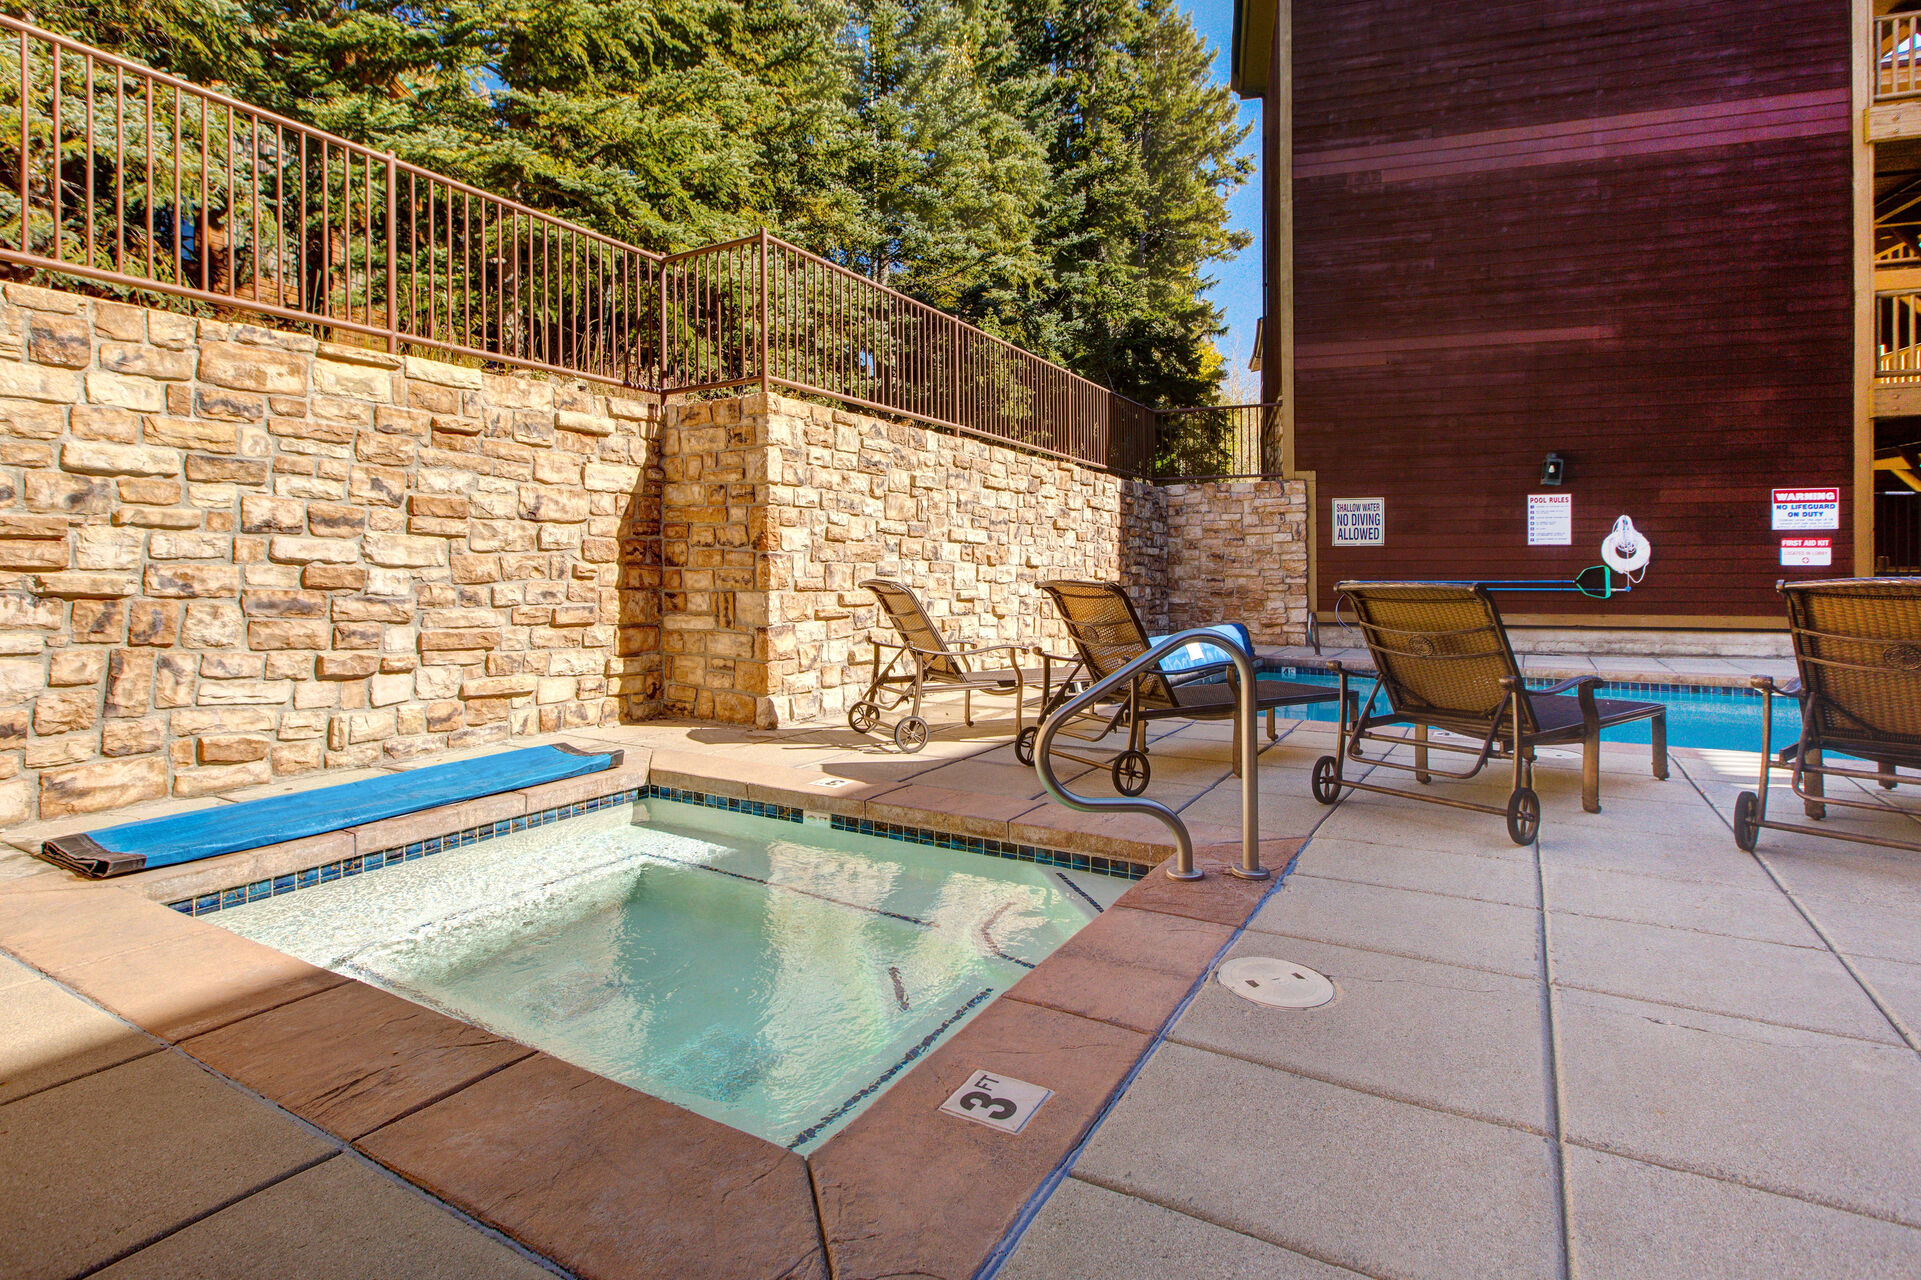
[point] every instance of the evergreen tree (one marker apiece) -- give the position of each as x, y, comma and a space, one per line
1144, 152
947, 175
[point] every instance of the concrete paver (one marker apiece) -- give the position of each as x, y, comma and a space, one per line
1806, 1114
1343, 1176
1505, 880
1423, 926
109, 1162
48, 1036
1461, 1040
1633, 1219
1085, 1232
1794, 986
372, 1228
607, 1181
353, 1057
1761, 913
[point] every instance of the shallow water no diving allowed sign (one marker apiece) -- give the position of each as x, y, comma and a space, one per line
996, 1101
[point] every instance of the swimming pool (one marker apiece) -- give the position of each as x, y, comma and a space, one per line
1716, 717
772, 975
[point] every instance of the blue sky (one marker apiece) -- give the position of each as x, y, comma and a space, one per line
1239, 291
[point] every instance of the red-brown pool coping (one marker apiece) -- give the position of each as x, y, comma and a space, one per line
608, 1181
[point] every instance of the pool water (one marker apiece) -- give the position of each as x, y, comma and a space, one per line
1727, 719
770, 975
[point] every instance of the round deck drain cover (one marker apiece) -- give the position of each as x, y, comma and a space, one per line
1275, 983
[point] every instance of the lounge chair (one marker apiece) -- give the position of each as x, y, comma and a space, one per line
1442, 658
1857, 645
921, 661
1107, 633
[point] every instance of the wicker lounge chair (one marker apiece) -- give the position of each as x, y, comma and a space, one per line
1108, 634
1443, 659
923, 660
1857, 644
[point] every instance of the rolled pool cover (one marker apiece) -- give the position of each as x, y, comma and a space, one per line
1204, 653
229, 828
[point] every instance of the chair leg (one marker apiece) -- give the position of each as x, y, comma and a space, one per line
1421, 774
1658, 731
1887, 777
967, 707
1813, 785
1273, 724
1591, 772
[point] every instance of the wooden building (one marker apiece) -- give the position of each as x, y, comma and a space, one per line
1630, 234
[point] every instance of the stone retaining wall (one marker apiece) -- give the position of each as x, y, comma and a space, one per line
229, 553
775, 509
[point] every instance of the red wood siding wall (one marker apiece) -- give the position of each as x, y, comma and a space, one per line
1619, 231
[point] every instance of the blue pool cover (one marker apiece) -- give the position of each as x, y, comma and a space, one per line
228, 828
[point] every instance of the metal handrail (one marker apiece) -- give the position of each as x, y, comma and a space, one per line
1250, 868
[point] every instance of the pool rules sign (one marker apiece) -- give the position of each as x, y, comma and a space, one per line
1360, 522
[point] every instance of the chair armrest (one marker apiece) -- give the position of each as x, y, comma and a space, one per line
1039, 652
1765, 684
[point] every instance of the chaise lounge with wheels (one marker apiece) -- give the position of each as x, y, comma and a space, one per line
923, 661
1107, 634
1857, 648
1443, 661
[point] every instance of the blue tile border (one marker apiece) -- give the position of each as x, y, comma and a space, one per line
326, 873
994, 848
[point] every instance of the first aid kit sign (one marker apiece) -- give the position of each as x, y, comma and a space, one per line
1807, 553
1360, 522
1807, 509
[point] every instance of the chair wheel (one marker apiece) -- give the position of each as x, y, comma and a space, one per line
1523, 815
910, 735
1747, 821
1024, 744
862, 717
1327, 779
1131, 772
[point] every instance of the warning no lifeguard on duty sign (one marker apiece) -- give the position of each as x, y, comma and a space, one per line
1807, 509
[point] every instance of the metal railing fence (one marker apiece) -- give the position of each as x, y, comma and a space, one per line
1215, 442
147, 184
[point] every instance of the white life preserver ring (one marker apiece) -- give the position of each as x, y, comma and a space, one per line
1626, 549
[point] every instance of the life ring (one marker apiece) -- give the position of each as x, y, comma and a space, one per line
1626, 549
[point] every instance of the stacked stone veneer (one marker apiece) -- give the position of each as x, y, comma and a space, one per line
1237, 550
775, 509
228, 554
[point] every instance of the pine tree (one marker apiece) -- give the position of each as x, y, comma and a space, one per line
1144, 152
948, 176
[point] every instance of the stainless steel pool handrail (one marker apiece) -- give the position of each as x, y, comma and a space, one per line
1250, 868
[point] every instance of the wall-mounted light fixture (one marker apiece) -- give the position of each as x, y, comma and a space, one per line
1553, 469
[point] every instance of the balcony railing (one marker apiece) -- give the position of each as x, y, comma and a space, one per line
146, 184
1894, 50
1897, 336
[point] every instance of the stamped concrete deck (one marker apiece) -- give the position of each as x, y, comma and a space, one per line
1628, 1050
